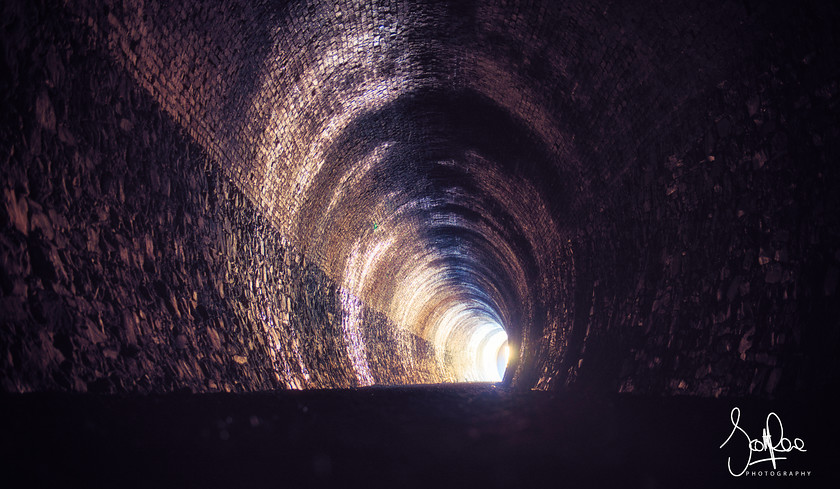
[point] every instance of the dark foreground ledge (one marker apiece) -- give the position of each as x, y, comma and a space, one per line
420, 436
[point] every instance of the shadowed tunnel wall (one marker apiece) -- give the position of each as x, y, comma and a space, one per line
308, 194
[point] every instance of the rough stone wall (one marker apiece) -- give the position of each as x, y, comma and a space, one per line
131, 263
713, 269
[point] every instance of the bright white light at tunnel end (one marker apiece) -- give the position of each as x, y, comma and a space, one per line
502, 360
481, 356
493, 355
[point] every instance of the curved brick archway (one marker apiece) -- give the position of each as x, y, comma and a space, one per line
254, 195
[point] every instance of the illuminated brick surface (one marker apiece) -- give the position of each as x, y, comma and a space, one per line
321, 194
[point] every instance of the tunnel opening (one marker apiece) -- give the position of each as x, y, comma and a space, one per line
415, 208
492, 352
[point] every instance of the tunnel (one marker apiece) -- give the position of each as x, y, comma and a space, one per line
506, 233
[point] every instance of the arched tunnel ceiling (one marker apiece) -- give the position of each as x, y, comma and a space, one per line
432, 157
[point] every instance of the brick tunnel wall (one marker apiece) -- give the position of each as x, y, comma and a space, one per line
696, 254
713, 268
262, 87
132, 263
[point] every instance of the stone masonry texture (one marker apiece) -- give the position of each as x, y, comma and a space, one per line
131, 263
250, 195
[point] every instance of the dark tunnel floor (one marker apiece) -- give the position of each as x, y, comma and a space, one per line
477, 435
